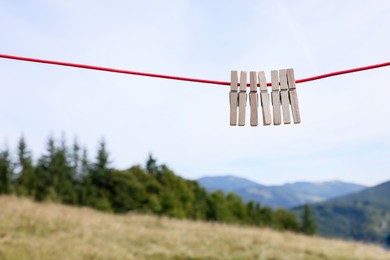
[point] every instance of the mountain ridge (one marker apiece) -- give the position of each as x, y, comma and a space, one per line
288, 195
229, 183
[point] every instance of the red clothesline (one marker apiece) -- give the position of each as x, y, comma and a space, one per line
83, 66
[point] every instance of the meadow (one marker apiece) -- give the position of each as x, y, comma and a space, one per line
31, 230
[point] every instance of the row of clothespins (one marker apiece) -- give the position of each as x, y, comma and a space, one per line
283, 96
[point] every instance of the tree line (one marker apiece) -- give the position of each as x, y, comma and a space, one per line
66, 175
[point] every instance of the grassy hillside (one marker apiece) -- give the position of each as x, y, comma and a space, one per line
363, 216
30, 230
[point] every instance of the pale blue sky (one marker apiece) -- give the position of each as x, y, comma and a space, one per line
344, 133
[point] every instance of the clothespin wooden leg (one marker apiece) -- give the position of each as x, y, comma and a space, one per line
233, 97
275, 97
265, 104
284, 96
242, 99
293, 96
253, 99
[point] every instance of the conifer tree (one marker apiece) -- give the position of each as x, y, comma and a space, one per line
101, 168
63, 165
56, 175
51, 175
26, 180
151, 165
100, 180
6, 172
85, 164
102, 161
87, 191
308, 225
75, 159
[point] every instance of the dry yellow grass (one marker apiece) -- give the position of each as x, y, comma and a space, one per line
31, 230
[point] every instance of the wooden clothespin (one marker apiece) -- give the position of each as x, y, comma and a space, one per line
284, 96
265, 104
275, 97
253, 99
233, 97
242, 99
293, 96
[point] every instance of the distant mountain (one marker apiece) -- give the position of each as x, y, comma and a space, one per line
226, 183
327, 190
361, 216
284, 196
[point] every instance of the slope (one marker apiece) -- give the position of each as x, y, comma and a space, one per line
361, 216
42, 231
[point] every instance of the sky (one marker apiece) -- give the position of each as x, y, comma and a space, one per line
345, 131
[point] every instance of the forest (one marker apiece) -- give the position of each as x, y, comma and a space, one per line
66, 175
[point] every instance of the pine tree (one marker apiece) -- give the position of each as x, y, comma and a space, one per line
86, 190
56, 175
101, 168
151, 165
100, 180
26, 179
308, 225
85, 164
75, 158
102, 161
6, 172
66, 174
52, 175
